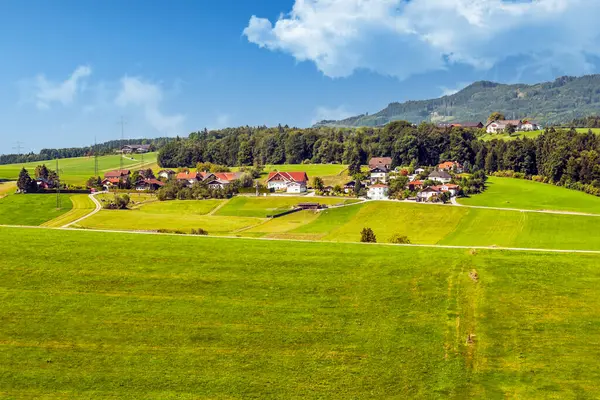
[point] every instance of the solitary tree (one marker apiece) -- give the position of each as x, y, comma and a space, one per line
399, 239
24, 183
496, 116
368, 236
318, 183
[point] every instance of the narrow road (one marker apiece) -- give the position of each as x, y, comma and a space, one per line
98, 208
433, 246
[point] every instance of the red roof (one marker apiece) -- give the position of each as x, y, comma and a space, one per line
227, 176
451, 185
448, 165
111, 180
153, 181
187, 176
117, 173
288, 176
416, 183
380, 162
378, 185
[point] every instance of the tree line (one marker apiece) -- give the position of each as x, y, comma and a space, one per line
558, 156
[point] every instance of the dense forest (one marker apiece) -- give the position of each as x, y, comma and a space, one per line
562, 157
101, 149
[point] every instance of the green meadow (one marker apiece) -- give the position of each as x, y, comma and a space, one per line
32, 209
114, 315
76, 171
261, 207
81, 206
530, 195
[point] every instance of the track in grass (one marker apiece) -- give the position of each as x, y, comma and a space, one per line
118, 316
82, 205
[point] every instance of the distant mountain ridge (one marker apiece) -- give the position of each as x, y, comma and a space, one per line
556, 102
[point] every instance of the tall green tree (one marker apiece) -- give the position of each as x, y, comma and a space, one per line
24, 182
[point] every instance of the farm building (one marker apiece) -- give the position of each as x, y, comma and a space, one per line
135, 148
382, 162
290, 182
150, 184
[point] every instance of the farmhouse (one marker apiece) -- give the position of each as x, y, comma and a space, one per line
349, 187
118, 174
451, 166
166, 173
414, 185
107, 183
530, 126
427, 193
379, 191
501, 125
187, 177
43, 183
150, 184
440, 176
135, 148
382, 162
290, 182
379, 174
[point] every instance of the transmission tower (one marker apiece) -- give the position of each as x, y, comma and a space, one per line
18, 147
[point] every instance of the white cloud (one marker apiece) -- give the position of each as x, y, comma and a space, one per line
401, 38
148, 96
325, 113
46, 92
448, 91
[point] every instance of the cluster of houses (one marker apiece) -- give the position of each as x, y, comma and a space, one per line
214, 180
380, 174
499, 126
144, 183
134, 148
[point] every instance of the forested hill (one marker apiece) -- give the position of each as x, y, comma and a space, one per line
557, 102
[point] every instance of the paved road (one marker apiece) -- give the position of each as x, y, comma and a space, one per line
98, 208
524, 249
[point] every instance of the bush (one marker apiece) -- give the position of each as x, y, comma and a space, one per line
399, 239
368, 236
199, 231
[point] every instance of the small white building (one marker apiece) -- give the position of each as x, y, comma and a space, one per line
419, 171
427, 193
450, 188
378, 191
530, 126
500, 125
166, 173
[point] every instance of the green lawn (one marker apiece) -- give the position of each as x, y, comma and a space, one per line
505, 136
586, 130
76, 171
162, 317
312, 170
179, 207
7, 187
261, 207
31, 209
529, 195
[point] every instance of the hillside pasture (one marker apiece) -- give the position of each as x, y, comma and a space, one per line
261, 207
114, 315
7, 187
530, 195
505, 136
31, 209
76, 171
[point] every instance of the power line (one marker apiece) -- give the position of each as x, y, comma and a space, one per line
95, 157
58, 199
122, 122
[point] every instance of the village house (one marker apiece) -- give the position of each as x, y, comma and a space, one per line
529, 126
166, 173
349, 187
379, 174
135, 148
451, 166
379, 191
500, 125
290, 182
115, 178
450, 188
440, 176
427, 193
189, 178
382, 162
149, 184
218, 180
43, 183
419, 171
414, 185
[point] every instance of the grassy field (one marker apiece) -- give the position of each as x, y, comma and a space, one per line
505, 136
76, 171
31, 209
261, 207
586, 130
529, 195
82, 205
7, 187
292, 320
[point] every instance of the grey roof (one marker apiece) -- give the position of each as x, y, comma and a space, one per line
440, 174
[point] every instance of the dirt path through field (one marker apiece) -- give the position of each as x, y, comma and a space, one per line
94, 211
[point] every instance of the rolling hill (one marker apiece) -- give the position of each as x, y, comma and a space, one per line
556, 102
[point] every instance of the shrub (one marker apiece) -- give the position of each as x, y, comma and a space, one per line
399, 239
368, 236
199, 231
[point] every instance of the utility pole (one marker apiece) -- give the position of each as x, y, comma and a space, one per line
58, 200
122, 122
95, 157
18, 147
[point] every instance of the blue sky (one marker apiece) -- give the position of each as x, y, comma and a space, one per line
70, 69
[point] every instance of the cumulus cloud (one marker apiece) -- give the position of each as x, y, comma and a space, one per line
46, 92
326, 113
449, 91
148, 96
400, 38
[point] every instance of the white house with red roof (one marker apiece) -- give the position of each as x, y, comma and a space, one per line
451, 166
290, 182
187, 177
378, 191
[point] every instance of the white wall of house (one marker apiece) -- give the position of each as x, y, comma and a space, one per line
164, 175
379, 176
426, 195
277, 185
378, 193
441, 180
295, 187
